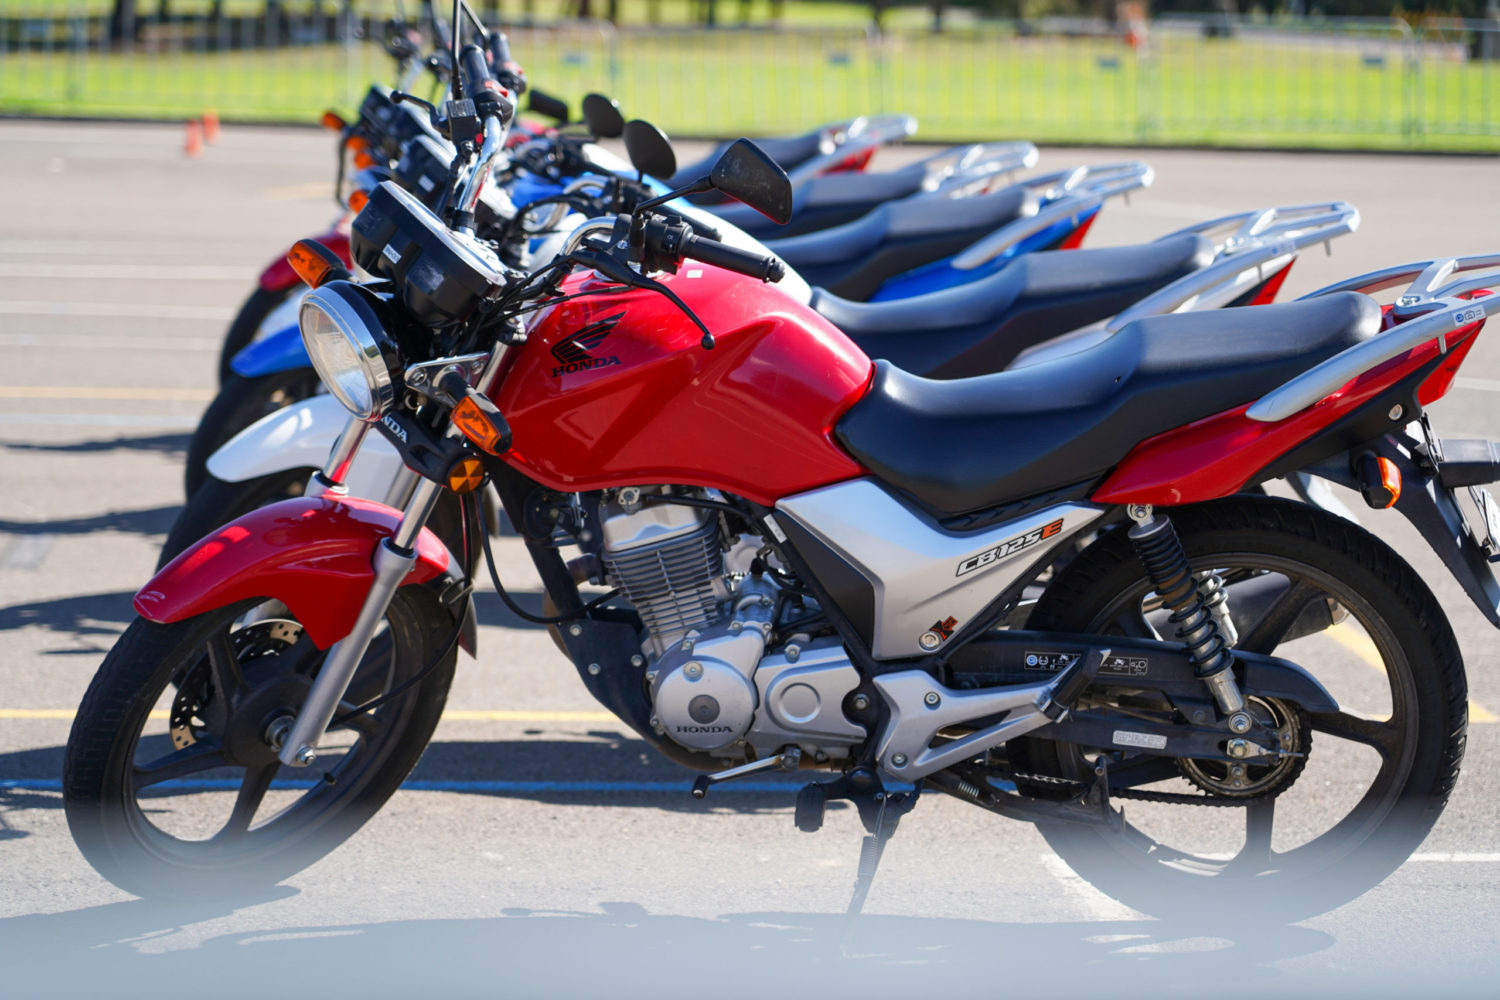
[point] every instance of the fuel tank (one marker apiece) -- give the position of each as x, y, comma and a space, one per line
615, 389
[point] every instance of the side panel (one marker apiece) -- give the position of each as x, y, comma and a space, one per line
925, 580
312, 554
615, 389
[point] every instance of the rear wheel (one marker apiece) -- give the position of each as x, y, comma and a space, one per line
170, 785
1288, 837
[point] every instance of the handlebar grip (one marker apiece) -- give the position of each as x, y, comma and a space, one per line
731, 258
476, 68
506, 69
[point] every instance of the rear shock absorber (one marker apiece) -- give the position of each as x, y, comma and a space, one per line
1197, 609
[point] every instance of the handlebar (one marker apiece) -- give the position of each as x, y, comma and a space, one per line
754, 265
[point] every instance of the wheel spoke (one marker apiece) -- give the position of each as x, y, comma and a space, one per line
228, 679
252, 791
1255, 856
1273, 626
1383, 736
364, 725
1131, 621
204, 755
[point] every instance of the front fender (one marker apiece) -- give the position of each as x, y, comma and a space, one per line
279, 351
312, 554
300, 436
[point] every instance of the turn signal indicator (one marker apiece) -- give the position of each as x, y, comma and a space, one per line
315, 263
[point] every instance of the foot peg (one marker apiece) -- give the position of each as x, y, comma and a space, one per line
787, 761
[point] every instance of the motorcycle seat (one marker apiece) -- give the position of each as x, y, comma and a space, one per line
965, 445
825, 202
853, 260
980, 327
790, 151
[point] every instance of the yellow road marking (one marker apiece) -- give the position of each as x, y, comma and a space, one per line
1360, 644
104, 392
452, 715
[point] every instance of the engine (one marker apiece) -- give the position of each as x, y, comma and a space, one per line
721, 681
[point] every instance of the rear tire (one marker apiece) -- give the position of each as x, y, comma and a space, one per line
1414, 742
108, 764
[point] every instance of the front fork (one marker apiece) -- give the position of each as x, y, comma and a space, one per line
393, 559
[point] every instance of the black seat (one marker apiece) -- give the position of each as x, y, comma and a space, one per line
853, 260
980, 327
975, 443
824, 202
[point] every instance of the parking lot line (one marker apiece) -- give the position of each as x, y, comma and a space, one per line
451, 715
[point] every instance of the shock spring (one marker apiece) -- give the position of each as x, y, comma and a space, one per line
1192, 602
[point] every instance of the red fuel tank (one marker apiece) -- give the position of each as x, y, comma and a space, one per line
614, 389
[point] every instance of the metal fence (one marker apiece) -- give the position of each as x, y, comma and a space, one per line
1332, 83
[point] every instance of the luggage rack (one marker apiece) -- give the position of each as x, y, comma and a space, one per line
1432, 307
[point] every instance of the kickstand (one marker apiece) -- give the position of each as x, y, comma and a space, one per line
880, 812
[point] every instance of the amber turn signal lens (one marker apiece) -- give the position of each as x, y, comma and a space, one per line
1379, 480
466, 475
332, 121
311, 262
477, 427
357, 200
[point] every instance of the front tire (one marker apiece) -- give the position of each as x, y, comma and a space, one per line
1269, 844
159, 753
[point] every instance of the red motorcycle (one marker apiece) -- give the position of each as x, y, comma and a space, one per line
818, 563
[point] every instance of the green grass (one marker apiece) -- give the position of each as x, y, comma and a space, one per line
960, 86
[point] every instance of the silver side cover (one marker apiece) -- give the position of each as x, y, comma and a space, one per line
928, 582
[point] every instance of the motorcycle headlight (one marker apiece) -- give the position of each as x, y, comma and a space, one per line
349, 348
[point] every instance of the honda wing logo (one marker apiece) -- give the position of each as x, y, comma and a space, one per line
573, 353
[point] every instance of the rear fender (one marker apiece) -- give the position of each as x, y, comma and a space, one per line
300, 436
279, 276
312, 554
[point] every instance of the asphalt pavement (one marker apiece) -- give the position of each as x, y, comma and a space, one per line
539, 849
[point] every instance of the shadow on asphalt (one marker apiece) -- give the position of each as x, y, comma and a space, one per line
622, 950
86, 615
153, 521
165, 444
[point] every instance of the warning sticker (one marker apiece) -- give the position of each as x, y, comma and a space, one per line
1120, 666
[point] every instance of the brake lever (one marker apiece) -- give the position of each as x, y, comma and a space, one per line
614, 269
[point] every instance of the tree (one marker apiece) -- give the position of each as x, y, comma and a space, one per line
122, 21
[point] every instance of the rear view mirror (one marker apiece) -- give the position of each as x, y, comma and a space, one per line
602, 116
548, 106
745, 173
649, 149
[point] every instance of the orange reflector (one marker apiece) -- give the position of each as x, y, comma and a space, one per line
311, 265
357, 200
1390, 478
476, 426
466, 475
364, 161
332, 121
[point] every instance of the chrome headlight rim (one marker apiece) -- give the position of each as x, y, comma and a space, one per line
364, 337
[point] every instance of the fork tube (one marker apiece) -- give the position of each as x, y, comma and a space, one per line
393, 559
336, 469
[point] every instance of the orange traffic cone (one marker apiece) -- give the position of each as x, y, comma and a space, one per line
193, 147
210, 127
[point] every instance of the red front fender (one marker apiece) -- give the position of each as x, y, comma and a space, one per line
279, 276
311, 554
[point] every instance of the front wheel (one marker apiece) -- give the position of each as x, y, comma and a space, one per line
1288, 837
170, 783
